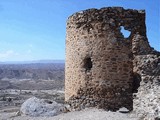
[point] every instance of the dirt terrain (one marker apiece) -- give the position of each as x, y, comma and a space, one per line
87, 114
18, 82
11, 99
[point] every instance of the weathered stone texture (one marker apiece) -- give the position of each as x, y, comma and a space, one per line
146, 102
95, 35
101, 63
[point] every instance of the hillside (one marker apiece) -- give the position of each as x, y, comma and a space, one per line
47, 71
32, 76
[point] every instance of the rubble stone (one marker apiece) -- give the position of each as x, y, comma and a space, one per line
39, 107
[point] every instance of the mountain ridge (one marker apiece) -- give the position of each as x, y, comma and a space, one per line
32, 61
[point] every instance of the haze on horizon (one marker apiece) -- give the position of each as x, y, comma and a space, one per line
35, 30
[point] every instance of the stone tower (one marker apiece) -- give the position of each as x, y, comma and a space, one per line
99, 59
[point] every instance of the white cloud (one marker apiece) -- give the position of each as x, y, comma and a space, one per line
7, 54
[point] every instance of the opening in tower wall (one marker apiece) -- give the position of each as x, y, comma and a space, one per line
87, 64
136, 82
125, 33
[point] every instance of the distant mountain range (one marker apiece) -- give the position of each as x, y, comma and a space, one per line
35, 70
34, 61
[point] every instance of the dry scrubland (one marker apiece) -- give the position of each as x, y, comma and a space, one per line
19, 82
15, 90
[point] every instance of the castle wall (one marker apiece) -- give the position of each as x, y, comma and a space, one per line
99, 68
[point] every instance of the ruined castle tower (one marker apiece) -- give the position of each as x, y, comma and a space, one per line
99, 59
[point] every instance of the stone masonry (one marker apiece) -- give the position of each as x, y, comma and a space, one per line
101, 68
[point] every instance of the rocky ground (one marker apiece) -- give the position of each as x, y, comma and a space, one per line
11, 101
87, 114
14, 98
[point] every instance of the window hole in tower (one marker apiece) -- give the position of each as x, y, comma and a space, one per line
136, 82
125, 33
88, 64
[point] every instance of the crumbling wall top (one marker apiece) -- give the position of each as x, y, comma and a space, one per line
132, 20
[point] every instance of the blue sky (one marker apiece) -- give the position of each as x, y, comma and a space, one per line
36, 29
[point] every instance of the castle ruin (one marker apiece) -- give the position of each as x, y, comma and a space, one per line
102, 65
